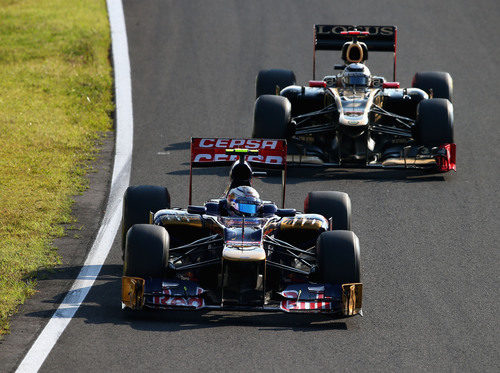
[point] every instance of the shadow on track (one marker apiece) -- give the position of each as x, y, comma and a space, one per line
178, 146
297, 175
102, 306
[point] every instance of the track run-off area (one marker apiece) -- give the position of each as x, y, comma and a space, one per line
429, 242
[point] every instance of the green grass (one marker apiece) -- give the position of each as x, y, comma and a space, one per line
55, 106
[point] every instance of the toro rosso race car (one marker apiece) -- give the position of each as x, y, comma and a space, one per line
240, 252
354, 118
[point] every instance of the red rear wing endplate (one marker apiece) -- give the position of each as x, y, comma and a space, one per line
379, 39
211, 152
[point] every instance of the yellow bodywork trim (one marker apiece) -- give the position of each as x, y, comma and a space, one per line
360, 51
352, 296
244, 151
133, 292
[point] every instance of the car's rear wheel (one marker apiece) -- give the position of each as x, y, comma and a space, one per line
138, 202
330, 204
434, 124
272, 117
437, 82
338, 257
146, 251
270, 82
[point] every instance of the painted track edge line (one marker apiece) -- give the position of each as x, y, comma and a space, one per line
47, 339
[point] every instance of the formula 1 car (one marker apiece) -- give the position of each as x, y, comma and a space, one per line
240, 252
353, 118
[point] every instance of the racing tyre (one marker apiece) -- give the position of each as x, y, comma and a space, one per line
335, 205
272, 117
338, 257
146, 251
138, 202
267, 81
434, 124
441, 83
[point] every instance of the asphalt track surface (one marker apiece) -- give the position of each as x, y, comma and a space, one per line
430, 253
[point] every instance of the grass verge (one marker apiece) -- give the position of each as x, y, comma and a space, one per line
55, 105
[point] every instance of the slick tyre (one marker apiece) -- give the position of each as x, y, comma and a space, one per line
338, 257
138, 202
335, 205
146, 251
270, 82
272, 117
434, 124
440, 83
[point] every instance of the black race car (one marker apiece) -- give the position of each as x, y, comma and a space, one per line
354, 118
240, 252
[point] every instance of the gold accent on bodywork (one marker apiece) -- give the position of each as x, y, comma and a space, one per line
304, 221
133, 292
352, 296
360, 51
409, 162
180, 218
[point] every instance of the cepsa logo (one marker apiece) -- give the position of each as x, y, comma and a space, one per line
238, 143
268, 159
271, 152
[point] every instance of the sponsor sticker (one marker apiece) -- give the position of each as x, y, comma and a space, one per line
213, 150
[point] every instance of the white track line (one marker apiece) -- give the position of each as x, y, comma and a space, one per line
111, 221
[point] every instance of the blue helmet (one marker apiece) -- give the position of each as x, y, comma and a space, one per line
243, 201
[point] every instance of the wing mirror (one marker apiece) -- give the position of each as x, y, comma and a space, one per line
283, 213
198, 210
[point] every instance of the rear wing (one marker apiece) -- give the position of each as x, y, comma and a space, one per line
262, 153
379, 39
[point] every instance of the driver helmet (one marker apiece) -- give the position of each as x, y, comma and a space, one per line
243, 201
356, 74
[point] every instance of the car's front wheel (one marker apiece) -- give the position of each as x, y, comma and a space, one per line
272, 117
434, 124
146, 251
338, 257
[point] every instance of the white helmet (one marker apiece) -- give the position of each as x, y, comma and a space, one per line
356, 74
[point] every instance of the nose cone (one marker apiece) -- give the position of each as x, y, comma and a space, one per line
243, 253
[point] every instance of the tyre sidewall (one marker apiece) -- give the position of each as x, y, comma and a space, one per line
434, 123
272, 117
440, 83
267, 81
330, 204
146, 251
338, 257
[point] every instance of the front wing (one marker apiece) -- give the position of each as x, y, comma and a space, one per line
440, 158
342, 300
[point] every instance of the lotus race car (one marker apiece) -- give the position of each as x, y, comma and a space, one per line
353, 118
239, 252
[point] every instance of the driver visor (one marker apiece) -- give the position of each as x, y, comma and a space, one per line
247, 208
358, 80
